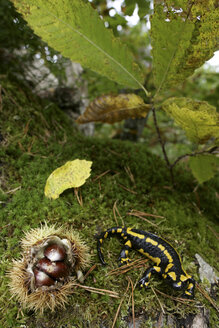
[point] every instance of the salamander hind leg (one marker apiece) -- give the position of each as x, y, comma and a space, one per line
123, 258
144, 281
189, 292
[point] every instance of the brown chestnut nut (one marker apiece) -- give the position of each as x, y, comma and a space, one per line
53, 269
42, 279
55, 252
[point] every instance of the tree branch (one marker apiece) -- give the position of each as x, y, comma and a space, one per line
213, 150
210, 151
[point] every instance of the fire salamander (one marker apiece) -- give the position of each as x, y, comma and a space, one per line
167, 261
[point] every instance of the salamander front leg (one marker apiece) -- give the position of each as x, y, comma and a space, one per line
123, 258
144, 281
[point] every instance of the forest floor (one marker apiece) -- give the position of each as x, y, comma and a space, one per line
126, 179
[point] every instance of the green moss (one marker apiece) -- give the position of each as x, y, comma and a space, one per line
37, 139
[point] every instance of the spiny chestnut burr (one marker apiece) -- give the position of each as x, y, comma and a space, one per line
45, 275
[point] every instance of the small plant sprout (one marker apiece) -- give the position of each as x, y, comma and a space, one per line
45, 275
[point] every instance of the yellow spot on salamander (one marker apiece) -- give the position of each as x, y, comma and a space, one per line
188, 293
169, 266
156, 260
113, 230
101, 240
179, 284
183, 278
172, 275
128, 243
161, 247
119, 230
164, 276
130, 232
122, 234
126, 252
157, 269
190, 286
106, 234
168, 256
151, 241
149, 275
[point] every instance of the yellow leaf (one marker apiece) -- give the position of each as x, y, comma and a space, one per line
114, 108
71, 175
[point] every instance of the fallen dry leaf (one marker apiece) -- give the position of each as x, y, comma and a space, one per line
71, 175
114, 108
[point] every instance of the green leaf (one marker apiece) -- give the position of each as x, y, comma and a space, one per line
74, 28
183, 38
143, 7
204, 167
199, 119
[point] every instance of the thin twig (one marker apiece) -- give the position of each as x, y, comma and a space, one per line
141, 217
127, 189
11, 98
98, 290
13, 190
101, 175
115, 210
0, 98
90, 270
139, 263
207, 297
120, 304
178, 299
162, 146
133, 303
130, 175
146, 214
214, 232
161, 306
79, 198
210, 151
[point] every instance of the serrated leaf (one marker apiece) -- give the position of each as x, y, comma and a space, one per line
183, 38
199, 119
204, 167
114, 108
71, 175
75, 29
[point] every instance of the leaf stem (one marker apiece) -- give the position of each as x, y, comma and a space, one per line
163, 146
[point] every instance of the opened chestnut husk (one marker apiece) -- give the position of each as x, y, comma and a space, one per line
53, 258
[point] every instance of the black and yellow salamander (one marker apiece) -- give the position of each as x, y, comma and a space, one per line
167, 261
